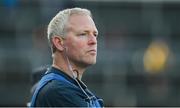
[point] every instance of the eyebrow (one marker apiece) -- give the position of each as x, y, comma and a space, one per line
97, 32
70, 28
88, 31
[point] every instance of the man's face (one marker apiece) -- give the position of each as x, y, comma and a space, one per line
81, 42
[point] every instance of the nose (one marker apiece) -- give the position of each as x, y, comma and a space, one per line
92, 40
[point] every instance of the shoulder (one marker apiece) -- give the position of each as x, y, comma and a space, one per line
53, 88
57, 93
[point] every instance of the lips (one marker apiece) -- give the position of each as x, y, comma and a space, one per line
93, 51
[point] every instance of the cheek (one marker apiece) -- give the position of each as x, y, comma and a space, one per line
77, 47
80, 45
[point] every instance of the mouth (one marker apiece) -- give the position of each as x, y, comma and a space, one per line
93, 52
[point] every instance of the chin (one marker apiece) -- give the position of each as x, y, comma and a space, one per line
93, 62
90, 61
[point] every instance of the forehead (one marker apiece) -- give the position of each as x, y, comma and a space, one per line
81, 22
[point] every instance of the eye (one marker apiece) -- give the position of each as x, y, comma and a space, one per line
96, 35
82, 34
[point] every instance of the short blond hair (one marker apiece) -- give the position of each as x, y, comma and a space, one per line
57, 25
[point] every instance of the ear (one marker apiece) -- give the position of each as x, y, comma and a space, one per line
58, 43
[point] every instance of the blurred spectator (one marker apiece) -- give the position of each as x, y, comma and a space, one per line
36, 76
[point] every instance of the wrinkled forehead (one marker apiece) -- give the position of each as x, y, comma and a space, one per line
80, 22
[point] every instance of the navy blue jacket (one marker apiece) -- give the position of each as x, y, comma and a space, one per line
57, 89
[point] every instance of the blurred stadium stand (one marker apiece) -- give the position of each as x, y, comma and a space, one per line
127, 28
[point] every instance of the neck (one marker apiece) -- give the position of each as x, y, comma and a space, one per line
61, 63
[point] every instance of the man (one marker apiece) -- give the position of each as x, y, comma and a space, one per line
72, 35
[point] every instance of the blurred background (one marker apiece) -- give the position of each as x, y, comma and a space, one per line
138, 49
